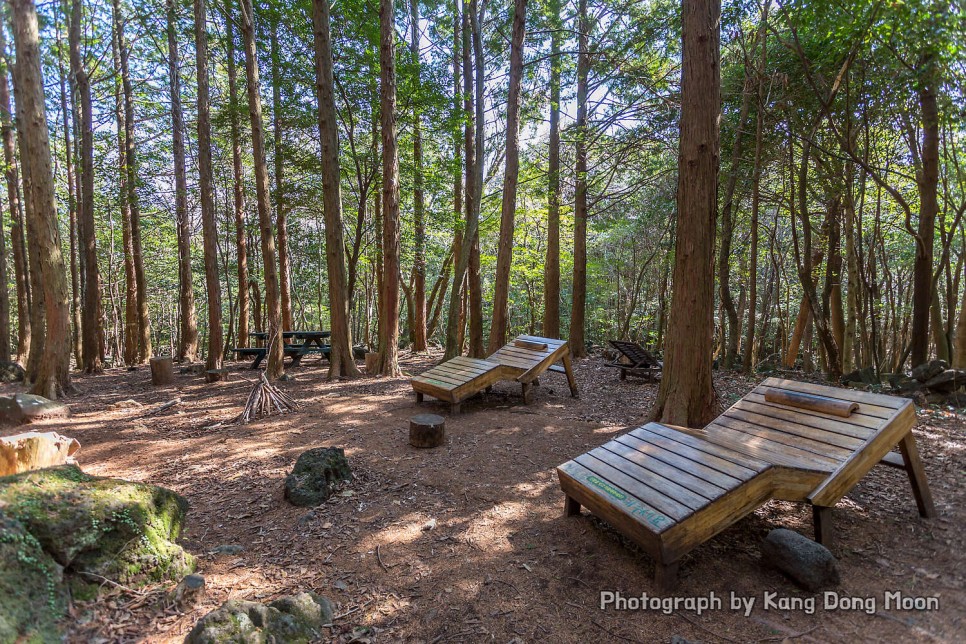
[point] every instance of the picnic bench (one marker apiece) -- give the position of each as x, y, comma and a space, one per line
634, 359
670, 489
309, 342
523, 360
295, 352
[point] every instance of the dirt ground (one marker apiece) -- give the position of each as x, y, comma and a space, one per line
502, 563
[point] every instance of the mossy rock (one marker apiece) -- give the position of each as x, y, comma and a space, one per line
295, 619
32, 596
316, 476
115, 529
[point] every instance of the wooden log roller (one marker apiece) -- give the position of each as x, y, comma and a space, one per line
427, 430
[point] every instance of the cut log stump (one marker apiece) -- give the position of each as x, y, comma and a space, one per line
426, 430
162, 371
216, 375
371, 359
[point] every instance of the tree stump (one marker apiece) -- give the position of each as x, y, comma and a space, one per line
371, 359
189, 592
162, 371
426, 430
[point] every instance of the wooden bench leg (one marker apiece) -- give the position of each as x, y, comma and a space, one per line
571, 507
527, 393
258, 361
917, 476
454, 408
666, 576
623, 374
419, 397
569, 370
488, 389
822, 523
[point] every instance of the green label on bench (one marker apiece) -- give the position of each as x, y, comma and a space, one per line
607, 487
642, 512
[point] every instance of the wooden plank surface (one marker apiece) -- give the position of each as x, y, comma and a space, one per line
625, 508
695, 466
861, 397
604, 467
865, 458
859, 425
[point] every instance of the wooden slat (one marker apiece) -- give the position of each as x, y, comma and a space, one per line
620, 509
698, 491
456, 370
859, 427
775, 447
801, 427
552, 342
697, 468
665, 488
446, 386
744, 439
647, 495
860, 397
796, 432
865, 409
724, 453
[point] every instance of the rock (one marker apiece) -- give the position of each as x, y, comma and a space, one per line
32, 594
130, 403
295, 619
930, 369
316, 475
677, 639
195, 368
34, 450
808, 563
948, 381
189, 592
228, 549
864, 376
24, 408
103, 527
11, 372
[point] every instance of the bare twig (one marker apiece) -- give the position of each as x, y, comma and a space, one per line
161, 408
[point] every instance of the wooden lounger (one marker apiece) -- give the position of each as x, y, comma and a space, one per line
637, 360
523, 360
670, 489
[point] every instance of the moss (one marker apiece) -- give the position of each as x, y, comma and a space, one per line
115, 529
31, 592
61, 520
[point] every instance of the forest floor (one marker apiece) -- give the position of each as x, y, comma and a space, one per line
502, 563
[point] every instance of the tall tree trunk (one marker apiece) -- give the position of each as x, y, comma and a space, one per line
75, 305
238, 186
281, 207
419, 208
686, 395
551, 275
17, 244
131, 319
749, 357
341, 360
388, 364
273, 321
578, 320
187, 348
928, 184
92, 345
52, 377
209, 224
5, 297
504, 256
134, 201
727, 229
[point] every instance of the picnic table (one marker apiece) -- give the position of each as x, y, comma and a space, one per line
308, 338
309, 342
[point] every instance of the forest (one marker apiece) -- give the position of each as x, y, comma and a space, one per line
719, 246
452, 174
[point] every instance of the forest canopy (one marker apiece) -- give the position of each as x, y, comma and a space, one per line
455, 173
